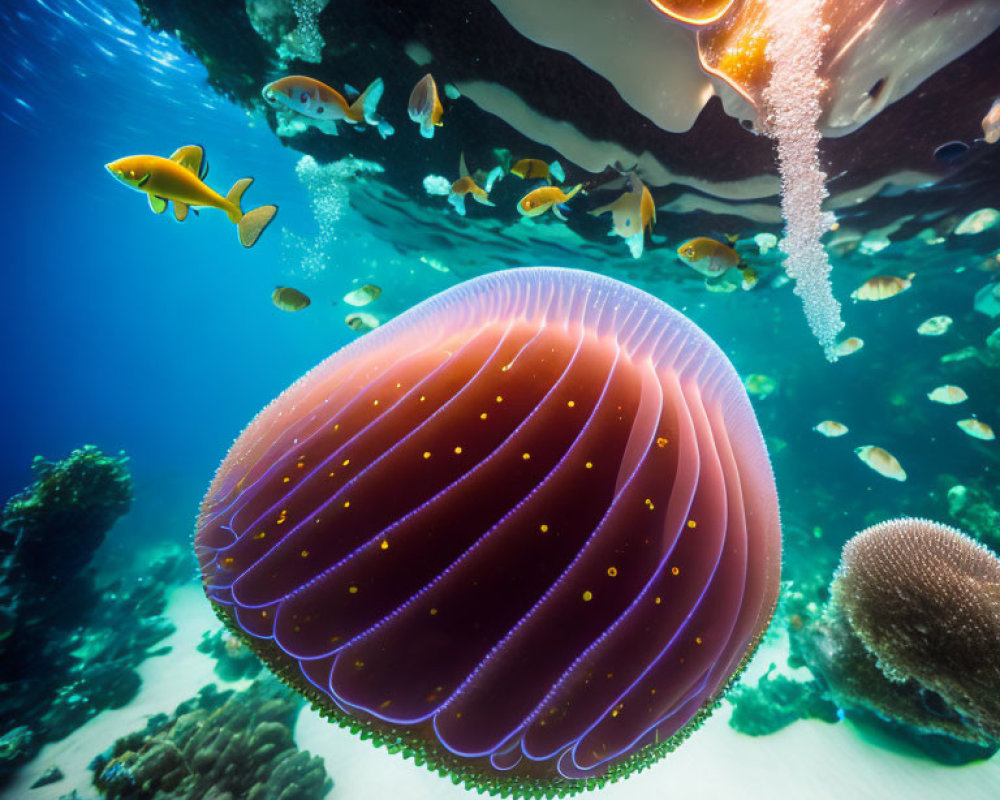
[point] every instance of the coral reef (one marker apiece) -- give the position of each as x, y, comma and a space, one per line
908, 639
70, 639
904, 710
60, 519
235, 659
924, 599
973, 508
215, 746
777, 701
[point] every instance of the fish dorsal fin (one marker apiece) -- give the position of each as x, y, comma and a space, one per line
158, 204
463, 170
192, 158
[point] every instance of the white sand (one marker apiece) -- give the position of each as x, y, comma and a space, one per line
809, 759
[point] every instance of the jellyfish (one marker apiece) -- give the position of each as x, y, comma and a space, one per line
526, 533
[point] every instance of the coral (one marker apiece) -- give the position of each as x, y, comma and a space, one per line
904, 710
60, 519
235, 659
306, 41
908, 640
216, 745
69, 640
974, 510
777, 701
925, 600
16, 746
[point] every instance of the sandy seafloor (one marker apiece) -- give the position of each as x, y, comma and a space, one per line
808, 759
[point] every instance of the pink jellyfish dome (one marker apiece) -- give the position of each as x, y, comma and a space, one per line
527, 532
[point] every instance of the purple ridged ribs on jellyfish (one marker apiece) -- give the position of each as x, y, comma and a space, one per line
528, 529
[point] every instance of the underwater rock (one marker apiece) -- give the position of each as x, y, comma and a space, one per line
548, 411
235, 659
52, 775
17, 746
776, 702
216, 745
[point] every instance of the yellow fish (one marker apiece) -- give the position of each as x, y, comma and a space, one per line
536, 168
948, 395
750, 277
631, 215
180, 179
425, 106
831, 428
848, 346
882, 461
707, 256
976, 429
545, 197
314, 99
465, 185
288, 299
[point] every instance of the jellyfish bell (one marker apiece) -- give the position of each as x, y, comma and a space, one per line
526, 532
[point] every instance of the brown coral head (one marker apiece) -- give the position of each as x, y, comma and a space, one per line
924, 598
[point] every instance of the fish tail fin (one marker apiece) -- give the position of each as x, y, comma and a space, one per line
557, 172
235, 198
427, 129
366, 105
253, 223
732, 238
572, 192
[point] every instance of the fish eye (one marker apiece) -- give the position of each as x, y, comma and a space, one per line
269, 96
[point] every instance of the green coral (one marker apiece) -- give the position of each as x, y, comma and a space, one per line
776, 702
63, 516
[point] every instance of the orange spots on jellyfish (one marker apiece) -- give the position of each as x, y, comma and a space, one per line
462, 563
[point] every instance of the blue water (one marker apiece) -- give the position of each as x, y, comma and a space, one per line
133, 332
123, 329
